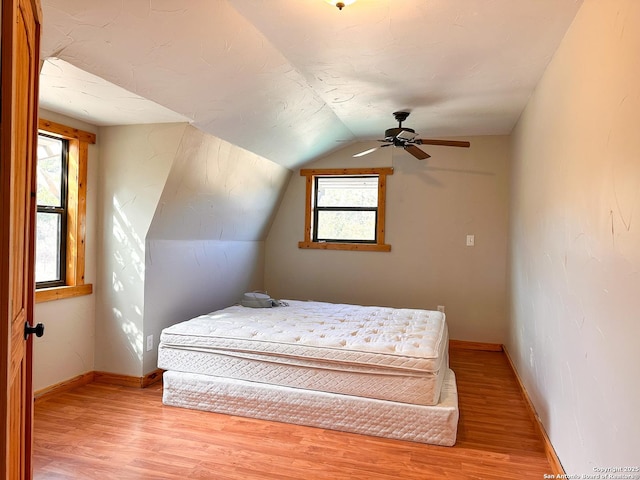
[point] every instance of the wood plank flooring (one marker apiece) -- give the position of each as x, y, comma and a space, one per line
110, 432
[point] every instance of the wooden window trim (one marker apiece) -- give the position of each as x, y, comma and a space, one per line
380, 246
79, 141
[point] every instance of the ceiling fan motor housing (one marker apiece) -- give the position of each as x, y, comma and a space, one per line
391, 135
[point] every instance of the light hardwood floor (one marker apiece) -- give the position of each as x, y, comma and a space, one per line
108, 432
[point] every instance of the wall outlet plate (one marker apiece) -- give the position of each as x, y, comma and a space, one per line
149, 343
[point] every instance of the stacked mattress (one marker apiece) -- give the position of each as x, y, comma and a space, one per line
311, 355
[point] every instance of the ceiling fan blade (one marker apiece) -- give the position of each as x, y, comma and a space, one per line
366, 152
445, 143
416, 152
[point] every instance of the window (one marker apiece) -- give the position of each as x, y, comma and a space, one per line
51, 217
345, 209
60, 219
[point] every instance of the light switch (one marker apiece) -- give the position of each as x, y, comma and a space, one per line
471, 240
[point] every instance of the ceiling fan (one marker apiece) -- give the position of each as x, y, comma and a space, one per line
406, 138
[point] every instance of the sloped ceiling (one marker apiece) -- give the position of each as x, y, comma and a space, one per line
291, 80
216, 190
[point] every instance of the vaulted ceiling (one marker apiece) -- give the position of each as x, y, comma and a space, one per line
291, 80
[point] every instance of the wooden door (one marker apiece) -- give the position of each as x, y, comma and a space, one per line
18, 139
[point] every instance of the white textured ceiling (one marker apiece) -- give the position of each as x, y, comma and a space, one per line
68, 90
291, 79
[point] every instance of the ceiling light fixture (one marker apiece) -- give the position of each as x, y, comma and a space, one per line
340, 5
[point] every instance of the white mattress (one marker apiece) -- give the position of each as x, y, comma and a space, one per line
426, 424
376, 352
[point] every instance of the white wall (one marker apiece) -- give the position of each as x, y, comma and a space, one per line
205, 246
134, 166
431, 206
575, 259
180, 224
187, 278
67, 348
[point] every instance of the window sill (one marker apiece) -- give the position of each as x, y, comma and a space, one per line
361, 247
58, 293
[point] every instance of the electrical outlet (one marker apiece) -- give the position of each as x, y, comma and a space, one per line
441, 308
149, 343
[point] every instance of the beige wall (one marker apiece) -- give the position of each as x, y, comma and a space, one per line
575, 273
67, 348
431, 206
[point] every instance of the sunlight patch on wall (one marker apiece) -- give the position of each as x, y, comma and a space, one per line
131, 331
130, 242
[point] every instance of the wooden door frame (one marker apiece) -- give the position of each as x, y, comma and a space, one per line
30, 11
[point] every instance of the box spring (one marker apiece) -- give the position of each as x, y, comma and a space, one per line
436, 424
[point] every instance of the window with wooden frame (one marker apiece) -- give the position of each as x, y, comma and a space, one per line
345, 209
61, 211
51, 215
